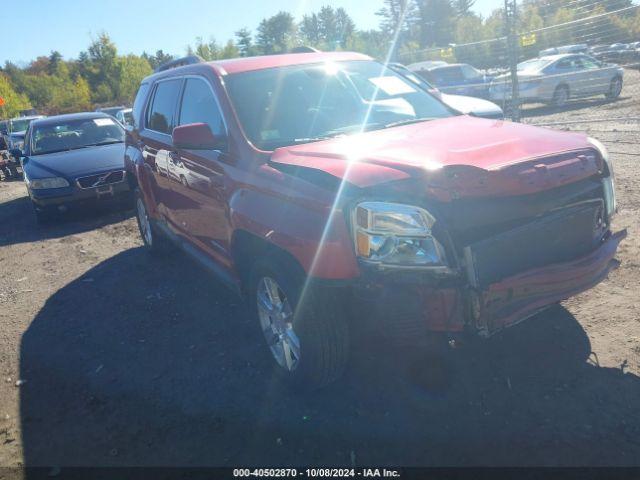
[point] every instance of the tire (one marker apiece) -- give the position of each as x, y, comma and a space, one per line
42, 216
560, 96
317, 323
153, 240
615, 88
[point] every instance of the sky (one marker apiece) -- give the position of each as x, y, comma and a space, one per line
149, 25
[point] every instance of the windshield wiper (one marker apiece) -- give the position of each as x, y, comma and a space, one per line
407, 122
318, 138
108, 142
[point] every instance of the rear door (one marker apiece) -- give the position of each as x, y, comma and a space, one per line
155, 139
598, 78
198, 176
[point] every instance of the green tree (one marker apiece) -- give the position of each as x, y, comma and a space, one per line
276, 34
13, 101
132, 69
158, 59
436, 22
54, 60
244, 42
310, 30
229, 50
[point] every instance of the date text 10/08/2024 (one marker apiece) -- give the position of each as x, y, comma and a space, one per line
316, 472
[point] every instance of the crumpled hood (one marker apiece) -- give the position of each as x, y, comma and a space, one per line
76, 163
464, 155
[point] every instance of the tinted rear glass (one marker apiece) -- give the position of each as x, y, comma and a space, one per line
161, 113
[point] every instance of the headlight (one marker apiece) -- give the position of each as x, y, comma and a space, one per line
396, 234
53, 182
609, 182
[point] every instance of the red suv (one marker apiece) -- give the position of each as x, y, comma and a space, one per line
323, 183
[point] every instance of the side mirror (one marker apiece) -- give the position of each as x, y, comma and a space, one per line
196, 136
16, 152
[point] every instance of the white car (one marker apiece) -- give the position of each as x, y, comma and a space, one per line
555, 79
125, 116
477, 107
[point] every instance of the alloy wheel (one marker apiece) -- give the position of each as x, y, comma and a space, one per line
144, 223
616, 88
561, 97
276, 320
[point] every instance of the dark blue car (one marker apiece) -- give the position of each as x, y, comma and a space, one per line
75, 159
457, 79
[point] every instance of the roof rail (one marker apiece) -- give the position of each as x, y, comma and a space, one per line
180, 62
303, 49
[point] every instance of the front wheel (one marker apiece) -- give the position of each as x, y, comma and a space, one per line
42, 216
615, 88
560, 96
304, 328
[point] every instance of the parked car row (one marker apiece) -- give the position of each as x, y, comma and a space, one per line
12, 134
555, 79
619, 53
556, 76
318, 184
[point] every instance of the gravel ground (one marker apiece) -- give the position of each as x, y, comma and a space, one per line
109, 357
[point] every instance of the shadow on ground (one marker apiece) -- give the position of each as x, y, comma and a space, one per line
154, 363
18, 221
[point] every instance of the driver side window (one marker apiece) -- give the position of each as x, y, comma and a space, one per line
200, 106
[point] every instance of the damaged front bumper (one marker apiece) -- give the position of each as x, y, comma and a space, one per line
518, 297
409, 304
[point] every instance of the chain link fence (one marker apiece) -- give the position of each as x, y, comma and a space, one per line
580, 66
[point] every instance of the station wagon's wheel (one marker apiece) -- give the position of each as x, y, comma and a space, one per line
560, 96
615, 88
306, 332
154, 241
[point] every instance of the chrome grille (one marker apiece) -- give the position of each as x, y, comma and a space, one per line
98, 180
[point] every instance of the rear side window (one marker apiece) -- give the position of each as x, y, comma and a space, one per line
138, 104
160, 116
200, 106
445, 76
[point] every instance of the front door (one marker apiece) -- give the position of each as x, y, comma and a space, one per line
155, 140
198, 176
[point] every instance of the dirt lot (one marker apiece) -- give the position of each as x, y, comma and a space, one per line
109, 357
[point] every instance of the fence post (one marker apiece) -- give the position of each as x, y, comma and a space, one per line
512, 55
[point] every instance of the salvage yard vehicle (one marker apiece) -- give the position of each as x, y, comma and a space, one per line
124, 116
455, 78
326, 183
556, 79
478, 107
112, 111
13, 133
73, 160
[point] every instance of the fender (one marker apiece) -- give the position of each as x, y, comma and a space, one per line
317, 236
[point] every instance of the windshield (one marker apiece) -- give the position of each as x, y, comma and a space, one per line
535, 64
20, 125
75, 134
303, 103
